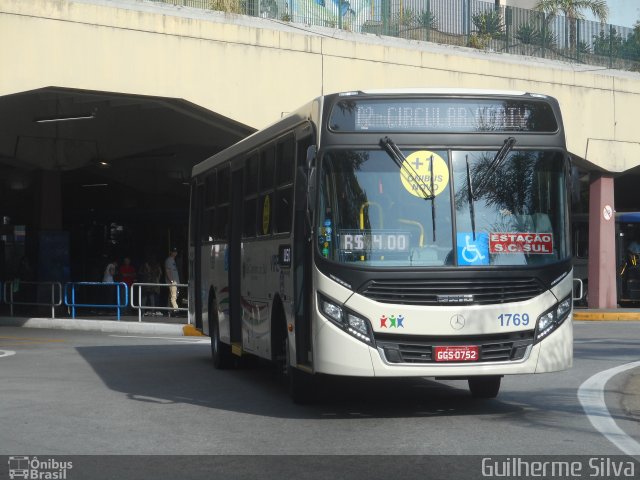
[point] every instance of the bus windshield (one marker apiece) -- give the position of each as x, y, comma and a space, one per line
438, 208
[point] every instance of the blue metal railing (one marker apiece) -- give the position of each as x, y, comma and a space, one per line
121, 295
80, 295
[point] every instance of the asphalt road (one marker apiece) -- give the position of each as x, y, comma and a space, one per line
82, 393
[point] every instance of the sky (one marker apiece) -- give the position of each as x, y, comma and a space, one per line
623, 12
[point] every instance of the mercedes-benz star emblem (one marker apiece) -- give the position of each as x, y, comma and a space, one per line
457, 322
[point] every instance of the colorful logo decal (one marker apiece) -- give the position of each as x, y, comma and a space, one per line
325, 237
416, 174
392, 321
532, 243
473, 252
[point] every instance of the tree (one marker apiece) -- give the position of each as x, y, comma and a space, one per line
631, 46
572, 10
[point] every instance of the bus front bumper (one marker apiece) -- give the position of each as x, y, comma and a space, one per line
338, 353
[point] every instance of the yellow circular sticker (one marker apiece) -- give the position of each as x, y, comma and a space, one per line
416, 174
266, 215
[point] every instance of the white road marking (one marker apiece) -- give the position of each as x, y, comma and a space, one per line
599, 340
591, 396
170, 339
6, 353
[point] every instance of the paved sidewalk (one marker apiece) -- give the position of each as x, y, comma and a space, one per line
127, 325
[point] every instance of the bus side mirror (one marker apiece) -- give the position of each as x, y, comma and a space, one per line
311, 178
311, 190
311, 156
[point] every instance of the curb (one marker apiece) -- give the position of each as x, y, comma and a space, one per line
606, 316
108, 326
191, 331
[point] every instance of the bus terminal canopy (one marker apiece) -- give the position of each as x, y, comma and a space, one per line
61, 129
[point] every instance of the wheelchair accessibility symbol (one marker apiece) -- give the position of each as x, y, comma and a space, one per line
473, 252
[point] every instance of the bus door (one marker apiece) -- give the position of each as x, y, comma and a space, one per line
195, 256
628, 253
235, 261
302, 252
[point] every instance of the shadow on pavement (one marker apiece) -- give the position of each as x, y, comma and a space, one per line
173, 374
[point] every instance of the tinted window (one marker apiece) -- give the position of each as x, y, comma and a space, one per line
207, 224
251, 175
221, 223
223, 183
283, 208
210, 190
249, 217
267, 169
286, 154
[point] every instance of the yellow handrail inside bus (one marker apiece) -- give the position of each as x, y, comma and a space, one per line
367, 205
417, 224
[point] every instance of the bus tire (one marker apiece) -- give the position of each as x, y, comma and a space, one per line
220, 352
485, 387
300, 384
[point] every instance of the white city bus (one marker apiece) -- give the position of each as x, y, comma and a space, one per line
420, 233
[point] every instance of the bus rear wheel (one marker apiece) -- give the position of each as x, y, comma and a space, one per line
220, 352
485, 387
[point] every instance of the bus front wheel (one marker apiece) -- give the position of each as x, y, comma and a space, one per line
300, 383
484, 387
220, 352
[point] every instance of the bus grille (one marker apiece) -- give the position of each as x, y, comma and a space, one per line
492, 348
453, 291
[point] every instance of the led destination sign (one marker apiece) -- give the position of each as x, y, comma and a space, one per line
443, 115
359, 241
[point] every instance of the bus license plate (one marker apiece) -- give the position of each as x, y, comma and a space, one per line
466, 353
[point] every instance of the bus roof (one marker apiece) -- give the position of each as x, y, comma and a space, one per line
446, 91
255, 139
305, 112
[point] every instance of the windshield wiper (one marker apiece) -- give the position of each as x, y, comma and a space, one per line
494, 165
400, 160
472, 210
396, 155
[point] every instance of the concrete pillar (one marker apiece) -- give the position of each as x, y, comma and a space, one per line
50, 201
602, 246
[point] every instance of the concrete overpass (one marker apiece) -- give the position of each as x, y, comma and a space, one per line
178, 76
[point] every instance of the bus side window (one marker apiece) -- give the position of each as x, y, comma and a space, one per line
250, 196
267, 180
283, 207
221, 223
284, 179
209, 208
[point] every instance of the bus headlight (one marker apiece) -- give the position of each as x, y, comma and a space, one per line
349, 321
553, 318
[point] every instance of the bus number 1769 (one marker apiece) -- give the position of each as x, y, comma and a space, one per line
513, 319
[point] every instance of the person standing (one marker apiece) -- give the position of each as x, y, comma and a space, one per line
172, 278
127, 272
110, 271
151, 272
109, 276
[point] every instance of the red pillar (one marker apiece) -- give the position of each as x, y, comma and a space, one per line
602, 246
